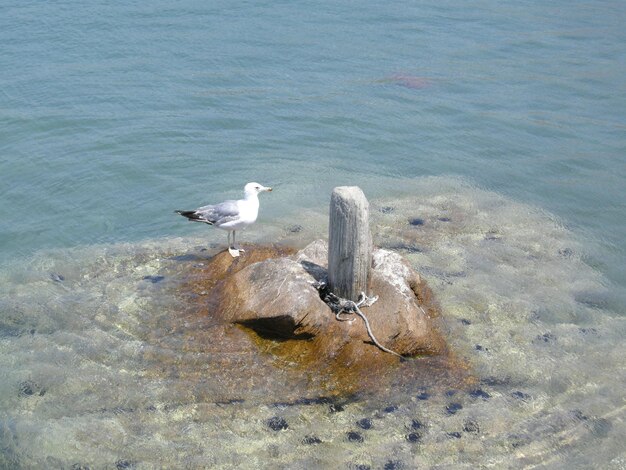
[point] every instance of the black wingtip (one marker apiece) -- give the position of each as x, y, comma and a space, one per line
193, 216
188, 214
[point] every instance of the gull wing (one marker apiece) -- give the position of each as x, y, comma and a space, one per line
218, 214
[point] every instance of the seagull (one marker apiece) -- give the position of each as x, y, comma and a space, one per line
231, 215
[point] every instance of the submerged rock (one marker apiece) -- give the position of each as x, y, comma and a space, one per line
479, 393
29, 388
521, 395
416, 221
393, 465
311, 440
417, 424
354, 436
57, 277
471, 426
124, 464
413, 437
364, 423
452, 408
277, 423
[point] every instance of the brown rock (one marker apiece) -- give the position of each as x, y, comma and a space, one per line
276, 298
402, 319
328, 357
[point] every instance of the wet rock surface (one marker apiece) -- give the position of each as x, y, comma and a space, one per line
268, 294
276, 298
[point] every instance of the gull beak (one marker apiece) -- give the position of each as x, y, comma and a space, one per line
268, 189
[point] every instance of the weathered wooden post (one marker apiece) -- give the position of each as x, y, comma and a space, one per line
349, 243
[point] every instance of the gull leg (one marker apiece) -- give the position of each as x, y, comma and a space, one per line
231, 249
241, 250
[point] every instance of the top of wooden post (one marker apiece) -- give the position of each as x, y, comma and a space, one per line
349, 243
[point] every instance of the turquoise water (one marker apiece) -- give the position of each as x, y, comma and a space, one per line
508, 118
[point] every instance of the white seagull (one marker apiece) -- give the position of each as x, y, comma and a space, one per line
231, 215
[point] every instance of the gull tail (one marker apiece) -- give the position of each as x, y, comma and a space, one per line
193, 216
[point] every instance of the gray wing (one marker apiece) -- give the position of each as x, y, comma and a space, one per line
218, 214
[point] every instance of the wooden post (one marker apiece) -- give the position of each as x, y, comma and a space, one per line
349, 243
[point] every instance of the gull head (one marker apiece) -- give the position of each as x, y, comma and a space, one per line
252, 189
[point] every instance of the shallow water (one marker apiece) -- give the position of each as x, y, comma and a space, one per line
489, 139
106, 364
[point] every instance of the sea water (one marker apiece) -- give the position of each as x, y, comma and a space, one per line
489, 138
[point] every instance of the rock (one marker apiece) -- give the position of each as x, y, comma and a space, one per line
402, 317
546, 338
265, 301
276, 298
336, 408
56, 277
479, 393
29, 388
393, 465
364, 423
416, 221
417, 424
520, 395
471, 426
354, 436
277, 423
311, 440
452, 408
413, 437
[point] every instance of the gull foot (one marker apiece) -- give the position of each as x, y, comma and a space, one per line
233, 252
